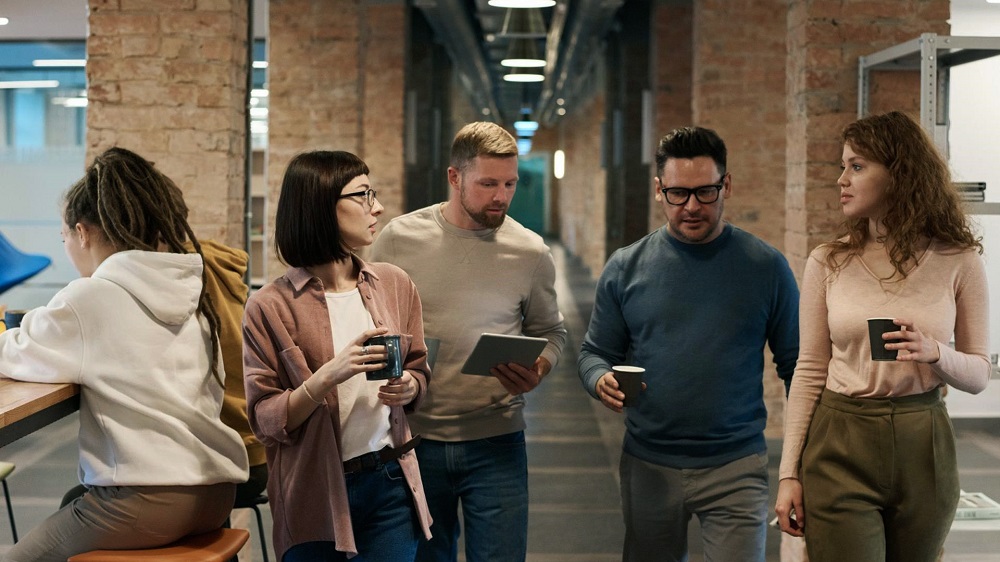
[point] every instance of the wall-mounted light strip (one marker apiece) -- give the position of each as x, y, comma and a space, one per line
70, 102
13, 84
59, 62
559, 164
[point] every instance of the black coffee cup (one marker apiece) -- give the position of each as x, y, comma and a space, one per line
877, 327
393, 360
630, 382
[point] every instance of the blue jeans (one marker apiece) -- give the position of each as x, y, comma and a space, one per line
490, 478
383, 517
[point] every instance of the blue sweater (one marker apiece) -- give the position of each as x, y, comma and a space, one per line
696, 317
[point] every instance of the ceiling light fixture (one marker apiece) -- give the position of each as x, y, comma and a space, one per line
260, 64
15, 84
4, 21
59, 62
259, 93
523, 23
523, 53
525, 127
522, 3
523, 75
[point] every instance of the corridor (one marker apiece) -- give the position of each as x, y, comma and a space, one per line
573, 449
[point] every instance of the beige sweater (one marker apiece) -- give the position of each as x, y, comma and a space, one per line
473, 281
945, 296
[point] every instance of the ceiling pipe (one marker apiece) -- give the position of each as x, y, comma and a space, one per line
452, 25
584, 29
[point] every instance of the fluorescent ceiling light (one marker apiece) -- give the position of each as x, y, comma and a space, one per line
260, 64
258, 93
523, 63
522, 3
521, 75
4, 21
258, 112
70, 102
12, 84
526, 128
59, 62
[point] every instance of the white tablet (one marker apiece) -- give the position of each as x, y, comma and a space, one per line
493, 349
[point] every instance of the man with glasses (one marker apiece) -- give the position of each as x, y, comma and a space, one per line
477, 270
693, 303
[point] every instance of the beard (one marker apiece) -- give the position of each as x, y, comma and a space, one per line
481, 216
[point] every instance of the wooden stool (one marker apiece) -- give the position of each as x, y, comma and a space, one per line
215, 546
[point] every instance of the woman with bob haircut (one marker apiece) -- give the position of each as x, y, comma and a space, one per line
344, 479
868, 468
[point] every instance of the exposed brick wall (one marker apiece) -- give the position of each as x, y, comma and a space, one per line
336, 82
582, 192
739, 90
670, 61
167, 80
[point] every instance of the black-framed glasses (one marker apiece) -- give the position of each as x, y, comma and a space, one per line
369, 194
705, 194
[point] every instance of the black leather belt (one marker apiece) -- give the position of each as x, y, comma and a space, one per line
375, 459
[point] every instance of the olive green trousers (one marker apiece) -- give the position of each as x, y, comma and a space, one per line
879, 478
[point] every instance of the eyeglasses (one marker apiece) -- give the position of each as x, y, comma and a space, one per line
705, 194
368, 193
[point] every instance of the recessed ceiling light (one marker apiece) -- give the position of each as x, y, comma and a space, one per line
4, 21
522, 3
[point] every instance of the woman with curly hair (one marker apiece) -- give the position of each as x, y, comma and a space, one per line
868, 469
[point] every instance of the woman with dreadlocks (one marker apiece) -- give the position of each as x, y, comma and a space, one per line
139, 334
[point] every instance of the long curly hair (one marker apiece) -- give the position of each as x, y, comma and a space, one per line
922, 201
137, 207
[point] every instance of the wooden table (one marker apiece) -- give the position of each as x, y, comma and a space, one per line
28, 406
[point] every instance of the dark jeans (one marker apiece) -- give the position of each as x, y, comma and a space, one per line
383, 517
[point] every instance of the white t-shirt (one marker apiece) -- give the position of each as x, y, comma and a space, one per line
364, 419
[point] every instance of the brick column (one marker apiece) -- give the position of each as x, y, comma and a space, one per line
825, 39
336, 79
739, 90
167, 80
670, 59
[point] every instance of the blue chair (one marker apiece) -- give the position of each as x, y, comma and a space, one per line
16, 266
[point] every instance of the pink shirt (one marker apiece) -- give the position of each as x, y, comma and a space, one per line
945, 296
287, 337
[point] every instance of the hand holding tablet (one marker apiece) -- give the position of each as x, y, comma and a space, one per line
494, 349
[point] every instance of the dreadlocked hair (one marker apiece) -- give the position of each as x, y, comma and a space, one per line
137, 207
922, 201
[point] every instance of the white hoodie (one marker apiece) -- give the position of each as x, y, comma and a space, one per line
130, 336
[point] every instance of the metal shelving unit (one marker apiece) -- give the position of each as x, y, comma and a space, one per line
933, 55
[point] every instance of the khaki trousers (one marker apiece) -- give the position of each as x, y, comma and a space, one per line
120, 517
879, 478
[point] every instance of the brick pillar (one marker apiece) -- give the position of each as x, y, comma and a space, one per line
670, 60
582, 191
825, 39
167, 80
336, 80
739, 90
